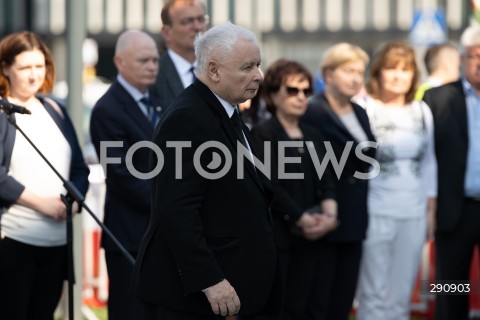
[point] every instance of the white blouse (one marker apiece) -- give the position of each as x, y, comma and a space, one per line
406, 154
21, 223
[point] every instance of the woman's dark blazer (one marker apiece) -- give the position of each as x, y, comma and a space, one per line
293, 196
351, 191
11, 188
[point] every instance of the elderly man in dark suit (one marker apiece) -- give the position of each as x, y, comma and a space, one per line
182, 20
456, 112
209, 250
125, 115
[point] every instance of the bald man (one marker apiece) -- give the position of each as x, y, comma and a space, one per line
126, 114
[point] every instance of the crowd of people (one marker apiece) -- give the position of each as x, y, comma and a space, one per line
326, 197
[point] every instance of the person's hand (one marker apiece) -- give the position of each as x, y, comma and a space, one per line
223, 299
306, 220
53, 207
318, 230
324, 224
75, 208
332, 221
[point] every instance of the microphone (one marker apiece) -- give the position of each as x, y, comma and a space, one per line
9, 108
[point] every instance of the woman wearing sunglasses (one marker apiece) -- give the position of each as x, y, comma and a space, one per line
342, 124
304, 208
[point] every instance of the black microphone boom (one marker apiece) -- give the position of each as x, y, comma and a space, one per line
9, 108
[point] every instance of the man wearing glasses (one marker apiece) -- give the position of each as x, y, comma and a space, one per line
182, 21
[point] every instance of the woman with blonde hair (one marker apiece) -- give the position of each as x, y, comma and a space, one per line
343, 124
402, 198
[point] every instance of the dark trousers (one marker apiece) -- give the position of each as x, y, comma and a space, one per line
122, 302
31, 280
319, 280
454, 252
299, 269
298, 265
336, 280
153, 312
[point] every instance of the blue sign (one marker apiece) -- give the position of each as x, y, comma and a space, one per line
428, 28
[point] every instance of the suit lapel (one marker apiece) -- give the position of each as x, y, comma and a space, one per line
250, 167
157, 104
363, 119
172, 76
323, 102
229, 130
227, 126
131, 108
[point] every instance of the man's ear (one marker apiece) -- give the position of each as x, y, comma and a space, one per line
165, 33
117, 61
212, 71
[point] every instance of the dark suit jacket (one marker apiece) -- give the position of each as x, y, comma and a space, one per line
168, 85
203, 230
351, 192
293, 196
449, 111
117, 117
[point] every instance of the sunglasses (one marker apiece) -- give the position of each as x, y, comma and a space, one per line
294, 91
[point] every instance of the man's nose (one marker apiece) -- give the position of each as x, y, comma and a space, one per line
258, 75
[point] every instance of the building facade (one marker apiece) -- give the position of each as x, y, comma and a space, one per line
296, 29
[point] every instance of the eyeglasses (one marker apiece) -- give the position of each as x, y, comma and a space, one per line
294, 91
203, 19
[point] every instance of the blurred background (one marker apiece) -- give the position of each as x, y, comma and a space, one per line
295, 29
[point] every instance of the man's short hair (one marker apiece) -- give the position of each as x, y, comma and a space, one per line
432, 56
165, 13
219, 41
470, 37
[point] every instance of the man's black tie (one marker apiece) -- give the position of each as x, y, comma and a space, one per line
237, 124
193, 74
151, 114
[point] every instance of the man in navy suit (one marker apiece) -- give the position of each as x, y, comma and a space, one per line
182, 20
126, 114
456, 113
209, 250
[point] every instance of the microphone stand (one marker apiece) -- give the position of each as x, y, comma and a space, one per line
73, 195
